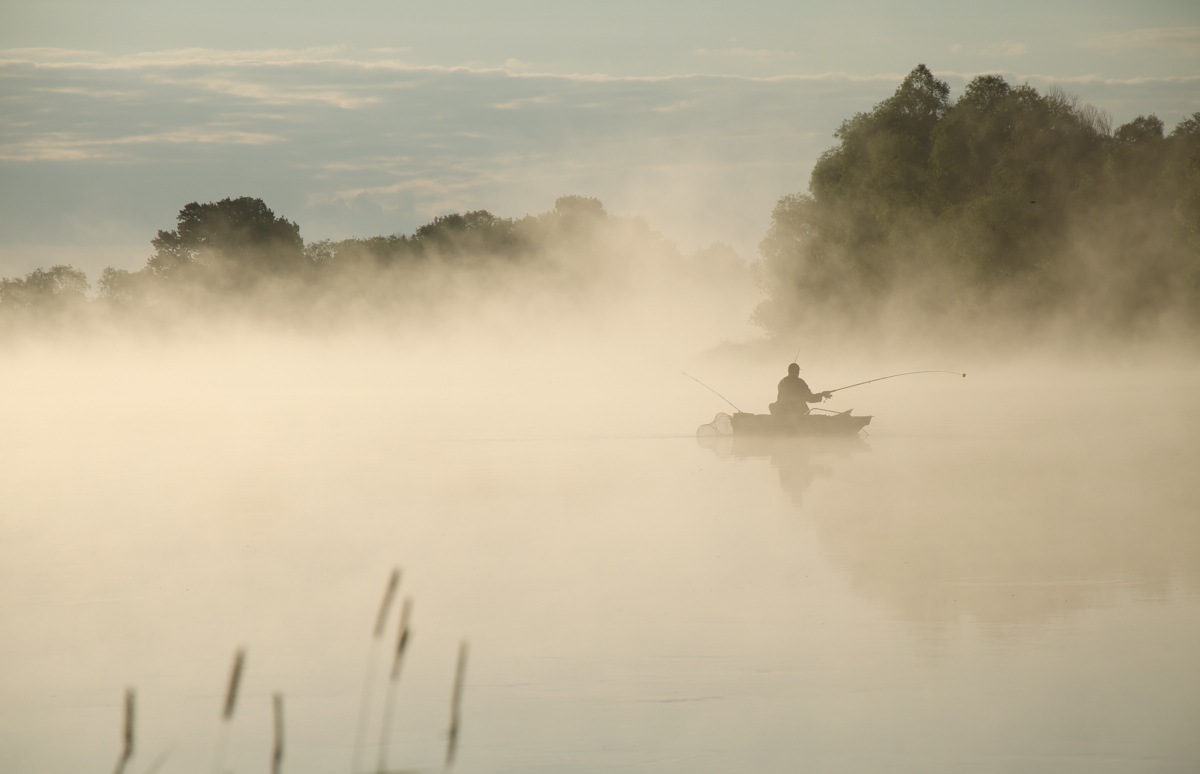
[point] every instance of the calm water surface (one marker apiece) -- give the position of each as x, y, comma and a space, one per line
1000, 578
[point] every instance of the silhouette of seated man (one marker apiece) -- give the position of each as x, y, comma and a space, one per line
794, 395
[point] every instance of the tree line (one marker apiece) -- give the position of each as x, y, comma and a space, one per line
238, 254
1004, 202
237, 248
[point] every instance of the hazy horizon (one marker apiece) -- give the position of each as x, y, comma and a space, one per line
372, 120
302, 302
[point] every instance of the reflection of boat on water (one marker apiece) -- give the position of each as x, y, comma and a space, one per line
794, 458
778, 448
743, 424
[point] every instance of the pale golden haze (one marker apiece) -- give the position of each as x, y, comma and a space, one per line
226, 446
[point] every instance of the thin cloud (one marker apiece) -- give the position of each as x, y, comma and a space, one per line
66, 146
445, 192
518, 103
1090, 79
83, 92
378, 162
46, 52
681, 105
319, 57
190, 57
322, 56
1183, 39
1003, 48
275, 95
746, 53
1136, 81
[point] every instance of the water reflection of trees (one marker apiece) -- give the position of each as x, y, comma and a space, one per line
999, 536
1011, 536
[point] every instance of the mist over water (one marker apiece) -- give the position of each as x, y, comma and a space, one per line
234, 446
1001, 576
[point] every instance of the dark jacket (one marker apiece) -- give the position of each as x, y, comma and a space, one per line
794, 396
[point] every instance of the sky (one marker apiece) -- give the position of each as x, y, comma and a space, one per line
366, 118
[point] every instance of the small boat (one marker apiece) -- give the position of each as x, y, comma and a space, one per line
800, 425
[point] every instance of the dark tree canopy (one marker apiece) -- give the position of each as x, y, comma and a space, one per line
44, 289
1006, 202
470, 238
1005, 192
1141, 130
237, 255
218, 251
579, 207
242, 237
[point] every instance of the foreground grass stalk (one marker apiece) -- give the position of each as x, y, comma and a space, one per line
364, 703
127, 748
231, 694
460, 673
277, 748
393, 685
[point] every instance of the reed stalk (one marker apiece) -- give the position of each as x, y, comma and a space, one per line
364, 702
277, 748
460, 673
127, 736
393, 685
231, 694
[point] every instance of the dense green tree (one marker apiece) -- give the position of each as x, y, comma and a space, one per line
473, 237
579, 208
233, 241
1188, 207
1141, 130
50, 289
1005, 193
121, 286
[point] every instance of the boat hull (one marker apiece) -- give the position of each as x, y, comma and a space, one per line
799, 425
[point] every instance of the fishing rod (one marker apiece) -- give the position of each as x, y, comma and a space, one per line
710, 389
893, 376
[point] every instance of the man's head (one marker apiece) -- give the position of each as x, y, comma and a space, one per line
794, 369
